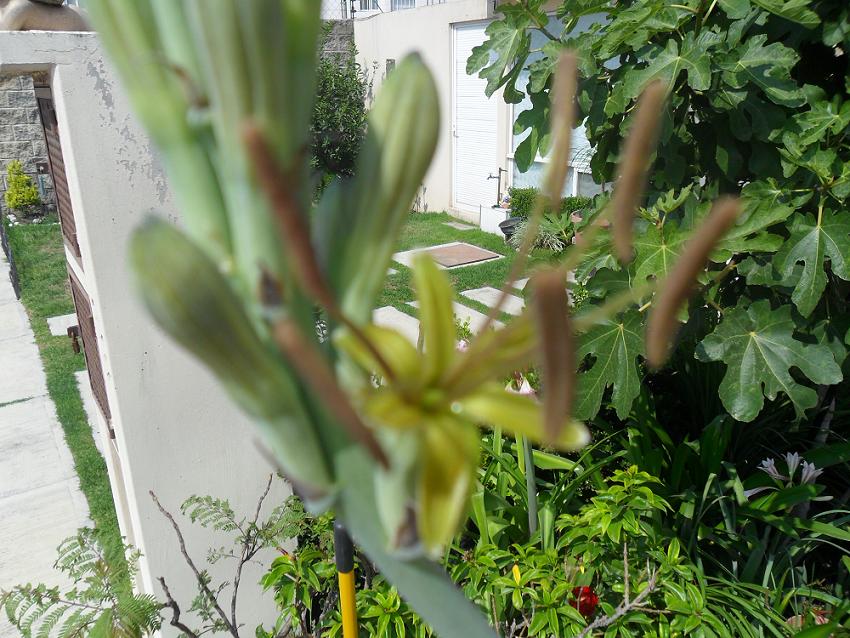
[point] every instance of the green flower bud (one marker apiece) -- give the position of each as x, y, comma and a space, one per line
191, 300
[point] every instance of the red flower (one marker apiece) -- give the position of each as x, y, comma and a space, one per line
585, 600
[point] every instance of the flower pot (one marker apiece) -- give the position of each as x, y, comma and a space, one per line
509, 226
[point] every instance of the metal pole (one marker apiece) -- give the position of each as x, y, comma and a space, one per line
344, 554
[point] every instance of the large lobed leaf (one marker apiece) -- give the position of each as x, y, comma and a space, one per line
757, 344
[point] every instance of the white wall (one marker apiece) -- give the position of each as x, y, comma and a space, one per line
176, 433
428, 30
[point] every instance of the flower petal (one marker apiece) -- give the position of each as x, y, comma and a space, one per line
522, 415
395, 349
387, 408
450, 452
436, 316
494, 354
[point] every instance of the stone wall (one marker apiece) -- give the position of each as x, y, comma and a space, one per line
340, 37
21, 135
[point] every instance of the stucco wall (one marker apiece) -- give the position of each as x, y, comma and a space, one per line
427, 30
21, 137
176, 432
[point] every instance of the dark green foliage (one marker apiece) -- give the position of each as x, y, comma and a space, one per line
522, 202
758, 106
100, 604
338, 125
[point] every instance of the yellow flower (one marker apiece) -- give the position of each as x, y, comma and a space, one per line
432, 402
517, 575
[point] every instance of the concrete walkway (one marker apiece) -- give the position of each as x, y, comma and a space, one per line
40, 499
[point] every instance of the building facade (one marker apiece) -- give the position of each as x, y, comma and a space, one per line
474, 162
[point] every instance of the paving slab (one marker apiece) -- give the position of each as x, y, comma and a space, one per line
90, 407
21, 372
476, 319
7, 293
455, 254
33, 453
459, 226
14, 321
520, 284
59, 325
489, 296
389, 317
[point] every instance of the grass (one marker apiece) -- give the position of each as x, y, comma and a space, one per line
45, 292
429, 229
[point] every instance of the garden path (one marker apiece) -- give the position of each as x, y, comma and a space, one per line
40, 499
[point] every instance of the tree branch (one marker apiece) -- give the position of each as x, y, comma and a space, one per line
201, 582
622, 609
175, 611
248, 551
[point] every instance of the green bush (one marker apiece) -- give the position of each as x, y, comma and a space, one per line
522, 202
21, 192
338, 125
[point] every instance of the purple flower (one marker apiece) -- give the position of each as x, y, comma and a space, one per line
793, 462
810, 473
769, 466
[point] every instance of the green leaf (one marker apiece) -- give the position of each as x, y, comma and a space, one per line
794, 10
749, 234
500, 59
758, 346
667, 63
615, 346
768, 67
812, 243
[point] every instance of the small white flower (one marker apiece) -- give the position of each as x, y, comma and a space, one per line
793, 461
462, 345
810, 473
769, 467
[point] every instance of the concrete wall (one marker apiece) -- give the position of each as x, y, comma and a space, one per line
21, 137
176, 433
428, 30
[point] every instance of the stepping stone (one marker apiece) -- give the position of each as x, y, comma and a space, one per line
520, 284
459, 225
455, 254
490, 297
476, 319
389, 317
391, 272
90, 408
59, 325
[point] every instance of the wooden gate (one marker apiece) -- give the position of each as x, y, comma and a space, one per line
89, 337
57, 168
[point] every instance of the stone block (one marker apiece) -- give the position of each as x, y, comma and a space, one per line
29, 133
11, 83
10, 116
16, 150
20, 99
7, 133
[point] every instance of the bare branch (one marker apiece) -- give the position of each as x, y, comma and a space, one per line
622, 609
201, 582
175, 611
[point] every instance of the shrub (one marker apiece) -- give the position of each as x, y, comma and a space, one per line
21, 192
339, 114
522, 202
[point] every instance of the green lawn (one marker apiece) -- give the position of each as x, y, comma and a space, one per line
429, 229
45, 292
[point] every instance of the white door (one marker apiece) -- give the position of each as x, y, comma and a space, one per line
474, 127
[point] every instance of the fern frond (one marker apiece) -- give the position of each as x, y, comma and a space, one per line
211, 512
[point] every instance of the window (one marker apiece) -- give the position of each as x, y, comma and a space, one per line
579, 180
403, 4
